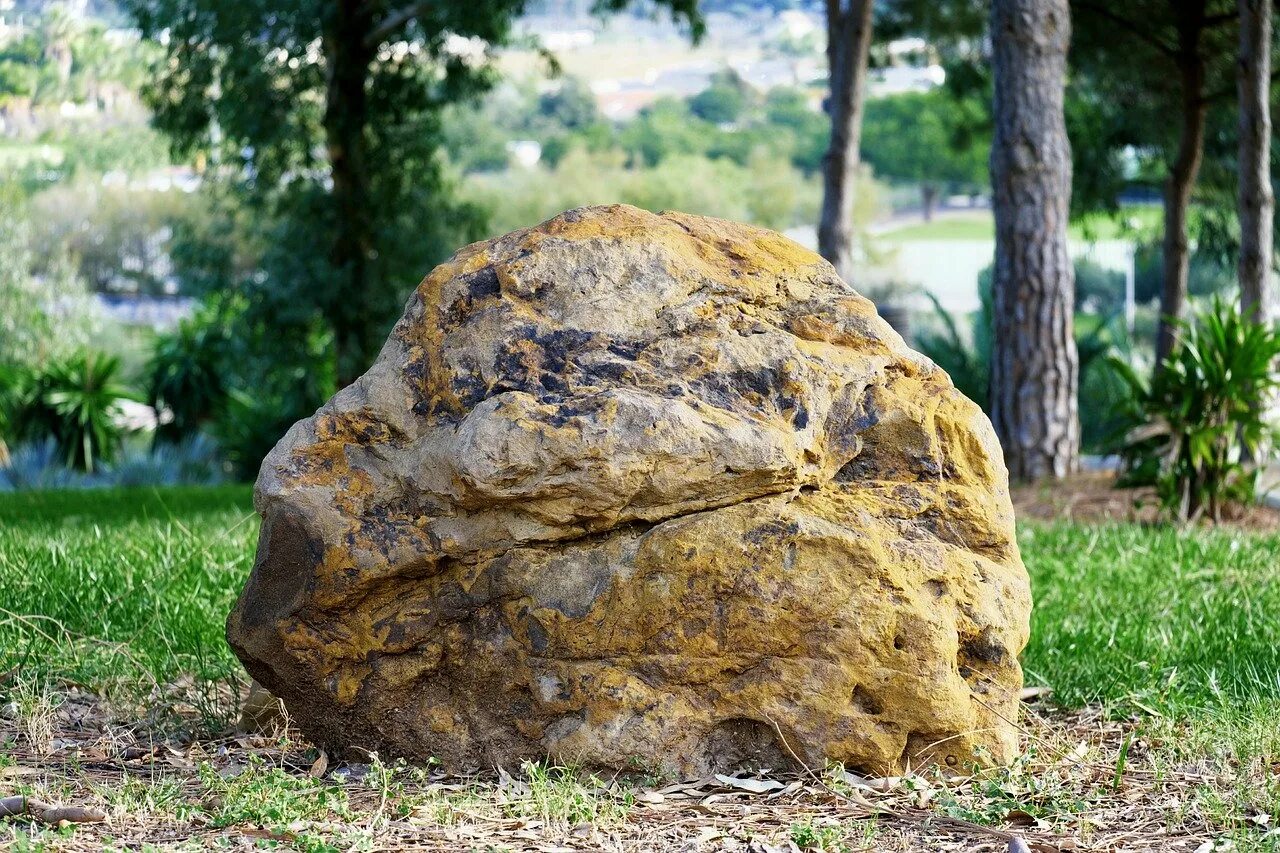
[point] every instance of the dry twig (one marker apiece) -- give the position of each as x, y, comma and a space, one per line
21, 806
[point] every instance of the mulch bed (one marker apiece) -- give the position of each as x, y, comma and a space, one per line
1092, 497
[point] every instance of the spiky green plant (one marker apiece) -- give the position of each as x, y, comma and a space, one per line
1203, 421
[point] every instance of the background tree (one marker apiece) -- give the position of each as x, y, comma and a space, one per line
1256, 201
325, 115
849, 24
724, 101
1034, 363
927, 138
1148, 60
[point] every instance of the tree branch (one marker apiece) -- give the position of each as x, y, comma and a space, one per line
1135, 29
394, 22
1224, 18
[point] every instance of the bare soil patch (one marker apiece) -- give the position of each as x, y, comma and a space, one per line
1092, 497
1084, 782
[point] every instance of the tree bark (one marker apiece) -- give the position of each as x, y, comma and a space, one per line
1182, 179
928, 200
1256, 202
1034, 365
848, 43
345, 118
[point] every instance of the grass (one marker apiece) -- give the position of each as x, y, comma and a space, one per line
132, 587
978, 225
1159, 617
124, 590
123, 594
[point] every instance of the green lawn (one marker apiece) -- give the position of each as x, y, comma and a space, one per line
978, 225
125, 592
1133, 616
119, 590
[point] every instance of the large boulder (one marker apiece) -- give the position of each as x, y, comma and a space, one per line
642, 491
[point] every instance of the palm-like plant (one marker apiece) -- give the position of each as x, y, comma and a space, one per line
76, 401
84, 394
1203, 418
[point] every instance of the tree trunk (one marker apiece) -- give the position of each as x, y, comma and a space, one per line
848, 43
928, 199
1256, 202
1034, 365
345, 117
1181, 181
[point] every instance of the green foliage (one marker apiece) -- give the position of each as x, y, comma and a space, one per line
724, 101
565, 796
1203, 417
666, 128
269, 797
74, 400
1206, 274
927, 137
65, 58
41, 317
810, 130
965, 357
768, 192
807, 835
329, 128
1099, 290
187, 376
118, 236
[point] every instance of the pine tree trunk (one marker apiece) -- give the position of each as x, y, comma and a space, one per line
848, 43
1182, 180
345, 117
1256, 202
1034, 367
928, 200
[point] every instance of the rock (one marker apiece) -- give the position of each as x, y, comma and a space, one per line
642, 491
261, 712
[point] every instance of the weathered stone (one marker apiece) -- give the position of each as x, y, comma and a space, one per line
640, 490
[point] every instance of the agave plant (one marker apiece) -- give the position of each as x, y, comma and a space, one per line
1203, 421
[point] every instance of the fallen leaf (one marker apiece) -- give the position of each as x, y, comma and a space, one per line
1019, 817
10, 772
320, 766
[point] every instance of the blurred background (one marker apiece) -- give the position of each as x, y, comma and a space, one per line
167, 172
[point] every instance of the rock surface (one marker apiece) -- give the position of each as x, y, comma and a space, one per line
642, 491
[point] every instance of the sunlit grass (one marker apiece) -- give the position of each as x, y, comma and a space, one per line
121, 589
125, 592
1138, 220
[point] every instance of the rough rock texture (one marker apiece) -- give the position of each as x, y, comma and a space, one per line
642, 491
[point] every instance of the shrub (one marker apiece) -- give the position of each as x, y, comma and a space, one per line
1202, 420
75, 401
186, 377
39, 465
967, 362
249, 425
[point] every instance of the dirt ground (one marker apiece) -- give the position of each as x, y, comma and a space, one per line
1085, 783
1093, 497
